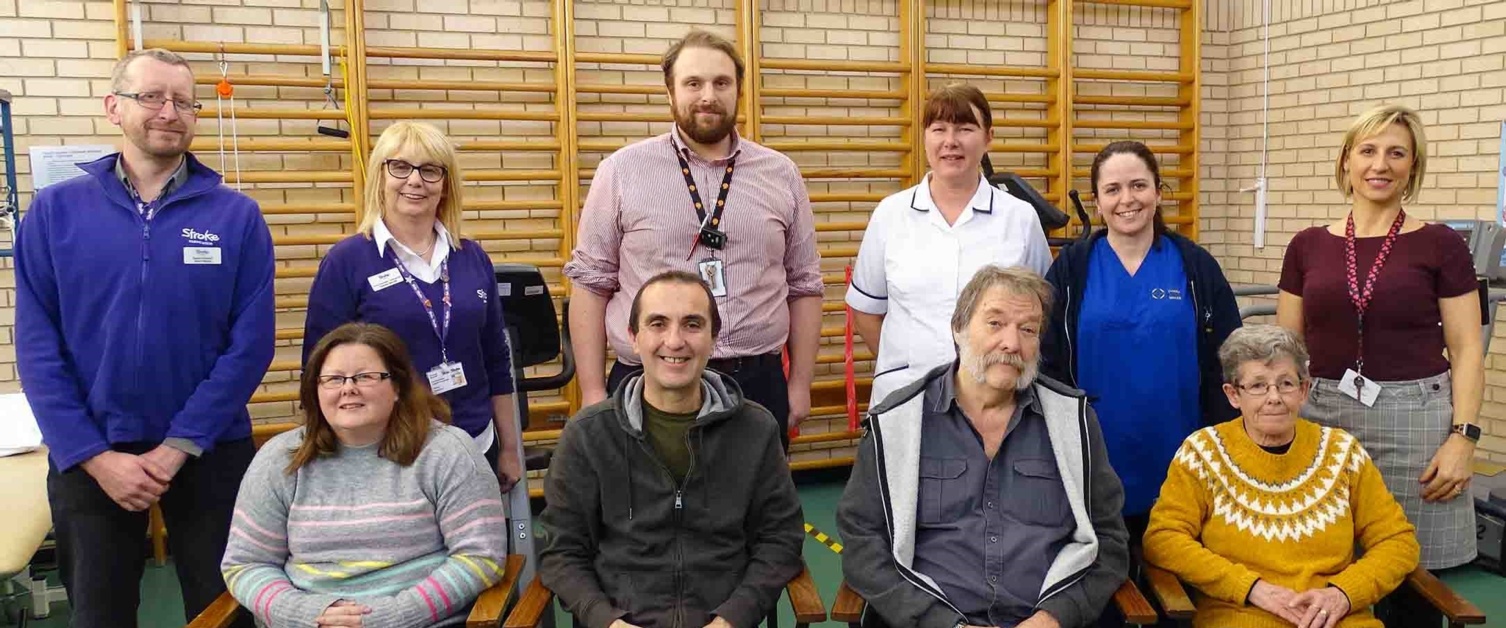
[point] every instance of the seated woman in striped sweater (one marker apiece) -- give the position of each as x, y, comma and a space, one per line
1262, 514
375, 513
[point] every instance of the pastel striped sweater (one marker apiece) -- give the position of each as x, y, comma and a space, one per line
1231, 512
417, 544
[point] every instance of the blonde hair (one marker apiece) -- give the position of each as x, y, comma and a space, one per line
1374, 122
437, 149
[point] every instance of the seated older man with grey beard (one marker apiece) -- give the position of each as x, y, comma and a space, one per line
982, 494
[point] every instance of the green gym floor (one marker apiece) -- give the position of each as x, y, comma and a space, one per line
161, 605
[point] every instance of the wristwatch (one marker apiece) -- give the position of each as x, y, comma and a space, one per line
1468, 430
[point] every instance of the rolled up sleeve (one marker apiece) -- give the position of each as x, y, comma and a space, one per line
594, 262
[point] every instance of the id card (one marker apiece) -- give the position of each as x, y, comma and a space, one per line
205, 255
711, 272
446, 377
385, 279
1357, 387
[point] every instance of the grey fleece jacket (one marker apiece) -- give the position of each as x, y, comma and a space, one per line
623, 540
876, 516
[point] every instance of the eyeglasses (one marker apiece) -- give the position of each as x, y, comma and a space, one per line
428, 172
362, 380
156, 101
1261, 389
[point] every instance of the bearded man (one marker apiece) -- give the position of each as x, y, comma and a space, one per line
704, 200
982, 494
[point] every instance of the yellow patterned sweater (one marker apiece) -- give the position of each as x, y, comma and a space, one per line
1231, 512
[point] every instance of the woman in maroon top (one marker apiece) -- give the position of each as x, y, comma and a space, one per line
1379, 297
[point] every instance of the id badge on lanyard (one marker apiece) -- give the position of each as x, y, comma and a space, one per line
447, 376
1354, 384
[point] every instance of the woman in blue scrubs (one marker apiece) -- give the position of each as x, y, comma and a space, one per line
1139, 315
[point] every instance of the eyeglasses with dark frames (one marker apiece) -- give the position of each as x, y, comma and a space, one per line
361, 380
428, 172
156, 101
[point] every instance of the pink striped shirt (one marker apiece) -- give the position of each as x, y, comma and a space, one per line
639, 221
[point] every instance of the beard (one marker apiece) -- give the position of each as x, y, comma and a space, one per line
710, 133
975, 366
160, 146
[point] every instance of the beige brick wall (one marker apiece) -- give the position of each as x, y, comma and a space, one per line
1329, 63
1329, 60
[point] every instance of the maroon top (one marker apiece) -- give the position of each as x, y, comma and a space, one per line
1403, 330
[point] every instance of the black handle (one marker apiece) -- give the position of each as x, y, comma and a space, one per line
1082, 214
567, 360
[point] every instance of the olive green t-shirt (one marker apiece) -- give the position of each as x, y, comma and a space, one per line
666, 433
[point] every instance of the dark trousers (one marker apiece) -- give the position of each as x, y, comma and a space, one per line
102, 547
761, 377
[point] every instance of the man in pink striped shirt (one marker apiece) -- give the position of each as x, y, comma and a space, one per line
704, 200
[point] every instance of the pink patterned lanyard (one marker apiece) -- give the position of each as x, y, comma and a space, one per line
1361, 298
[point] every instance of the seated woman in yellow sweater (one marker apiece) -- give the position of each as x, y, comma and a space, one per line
1261, 515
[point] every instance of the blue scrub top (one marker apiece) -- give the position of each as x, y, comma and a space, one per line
1137, 356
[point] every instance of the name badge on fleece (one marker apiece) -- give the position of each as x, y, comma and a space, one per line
385, 279
446, 377
202, 255
1357, 387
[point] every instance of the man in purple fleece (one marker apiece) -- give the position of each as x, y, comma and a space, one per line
143, 324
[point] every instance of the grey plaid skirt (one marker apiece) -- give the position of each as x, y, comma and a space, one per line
1408, 423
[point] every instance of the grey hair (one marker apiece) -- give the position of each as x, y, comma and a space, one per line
1017, 280
1264, 344
118, 75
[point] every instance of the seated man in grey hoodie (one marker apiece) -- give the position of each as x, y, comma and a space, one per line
982, 494
671, 503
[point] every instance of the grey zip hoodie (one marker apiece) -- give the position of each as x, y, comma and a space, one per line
876, 516
624, 541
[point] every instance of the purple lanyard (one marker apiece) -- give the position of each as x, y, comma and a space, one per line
444, 278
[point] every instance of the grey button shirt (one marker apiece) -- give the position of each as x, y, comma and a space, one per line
988, 529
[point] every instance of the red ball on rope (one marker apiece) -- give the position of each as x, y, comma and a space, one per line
224, 88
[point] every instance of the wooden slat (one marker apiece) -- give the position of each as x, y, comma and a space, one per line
267, 80
1440, 596
847, 197
1169, 593
472, 54
487, 145
310, 208
274, 397
512, 205
414, 113
848, 607
1002, 97
1138, 76
828, 227
619, 116
838, 120
288, 176
617, 58
1135, 608
489, 606
1006, 123
854, 173
989, 70
805, 600
511, 175
270, 113
1159, 4
790, 146
302, 50
1178, 149
473, 86
845, 94
1167, 125
1002, 146
644, 90
220, 614
531, 606
1130, 101
822, 65
261, 144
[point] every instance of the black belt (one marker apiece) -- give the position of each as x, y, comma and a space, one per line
748, 362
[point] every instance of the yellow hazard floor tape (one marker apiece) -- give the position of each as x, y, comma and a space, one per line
820, 536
